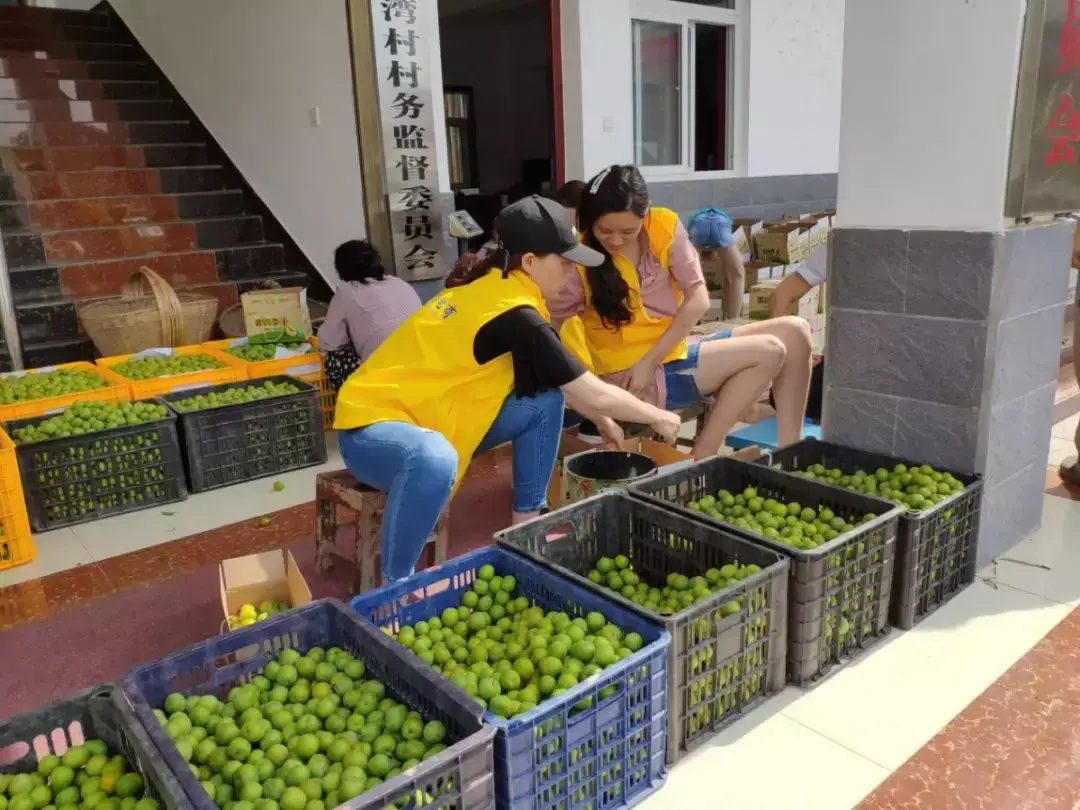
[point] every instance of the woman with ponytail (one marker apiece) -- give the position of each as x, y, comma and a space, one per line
637, 307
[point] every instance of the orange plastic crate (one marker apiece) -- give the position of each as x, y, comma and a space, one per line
307, 367
233, 371
16, 546
117, 391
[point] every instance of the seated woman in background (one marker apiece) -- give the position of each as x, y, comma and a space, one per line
637, 308
476, 367
367, 306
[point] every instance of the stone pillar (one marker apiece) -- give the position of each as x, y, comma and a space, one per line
945, 320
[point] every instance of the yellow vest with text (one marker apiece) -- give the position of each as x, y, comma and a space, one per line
425, 373
607, 350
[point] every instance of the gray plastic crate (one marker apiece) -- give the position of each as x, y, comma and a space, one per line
838, 593
98, 713
719, 667
935, 548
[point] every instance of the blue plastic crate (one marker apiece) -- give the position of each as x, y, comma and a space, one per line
763, 434
606, 757
462, 776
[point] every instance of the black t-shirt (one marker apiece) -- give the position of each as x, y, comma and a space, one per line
541, 362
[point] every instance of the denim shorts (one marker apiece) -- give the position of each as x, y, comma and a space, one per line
682, 390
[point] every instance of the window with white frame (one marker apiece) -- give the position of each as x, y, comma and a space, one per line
689, 85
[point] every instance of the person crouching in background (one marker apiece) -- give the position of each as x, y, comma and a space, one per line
807, 276
367, 307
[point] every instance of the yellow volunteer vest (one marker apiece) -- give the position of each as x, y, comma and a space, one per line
425, 373
606, 350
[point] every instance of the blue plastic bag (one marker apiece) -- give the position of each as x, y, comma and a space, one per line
710, 229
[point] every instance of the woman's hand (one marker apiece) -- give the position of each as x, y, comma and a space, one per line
667, 426
642, 381
610, 432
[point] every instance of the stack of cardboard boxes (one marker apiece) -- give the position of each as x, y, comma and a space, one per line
769, 252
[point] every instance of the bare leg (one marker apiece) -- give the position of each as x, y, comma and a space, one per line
736, 371
792, 384
734, 282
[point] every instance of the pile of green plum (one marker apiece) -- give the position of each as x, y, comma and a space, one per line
238, 395
259, 352
47, 384
147, 368
678, 591
85, 776
511, 657
786, 522
917, 488
89, 417
309, 733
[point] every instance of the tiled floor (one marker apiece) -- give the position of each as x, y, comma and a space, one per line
885, 720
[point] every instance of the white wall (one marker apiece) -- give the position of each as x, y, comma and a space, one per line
794, 97
928, 112
251, 70
796, 58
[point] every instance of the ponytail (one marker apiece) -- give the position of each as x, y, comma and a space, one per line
472, 266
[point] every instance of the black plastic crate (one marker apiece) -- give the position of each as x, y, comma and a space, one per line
252, 440
719, 666
95, 475
935, 548
98, 713
838, 593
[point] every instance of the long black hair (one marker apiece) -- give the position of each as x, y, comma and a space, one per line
615, 190
472, 266
358, 260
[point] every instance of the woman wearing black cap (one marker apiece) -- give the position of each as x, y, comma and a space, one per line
476, 367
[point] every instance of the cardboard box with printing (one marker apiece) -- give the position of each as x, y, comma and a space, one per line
761, 298
276, 312
783, 242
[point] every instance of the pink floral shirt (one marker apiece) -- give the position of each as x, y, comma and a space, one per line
657, 294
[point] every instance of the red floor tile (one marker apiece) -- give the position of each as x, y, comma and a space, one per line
78, 158
60, 133
76, 585
19, 65
40, 87
28, 110
1015, 747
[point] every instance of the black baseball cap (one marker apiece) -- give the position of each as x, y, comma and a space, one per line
539, 225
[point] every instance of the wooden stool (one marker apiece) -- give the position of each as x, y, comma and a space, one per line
334, 489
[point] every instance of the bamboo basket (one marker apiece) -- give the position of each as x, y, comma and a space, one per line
134, 321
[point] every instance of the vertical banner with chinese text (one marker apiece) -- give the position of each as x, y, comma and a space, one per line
401, 39
1044, 174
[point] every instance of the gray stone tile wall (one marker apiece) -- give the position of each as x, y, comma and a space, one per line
749, 197
944, 348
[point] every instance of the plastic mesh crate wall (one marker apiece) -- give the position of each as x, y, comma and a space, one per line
935, 548
838, 593
89, 715
95, 475
718, 666
461, 777
242, 442
610, 755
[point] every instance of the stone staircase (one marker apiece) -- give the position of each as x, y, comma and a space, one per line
104, 169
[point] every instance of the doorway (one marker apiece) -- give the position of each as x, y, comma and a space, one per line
500, 96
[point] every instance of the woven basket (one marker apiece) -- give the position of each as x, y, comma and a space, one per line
135, 321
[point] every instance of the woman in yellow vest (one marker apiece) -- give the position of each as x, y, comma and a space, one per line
476, 367
628, 319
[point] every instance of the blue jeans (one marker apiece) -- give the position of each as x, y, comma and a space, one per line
682, 390
416, 468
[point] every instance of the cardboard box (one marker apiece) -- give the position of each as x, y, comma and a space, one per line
745, 231
572, 445
761, 298
279, 310
817, 234
783, 242
269, 576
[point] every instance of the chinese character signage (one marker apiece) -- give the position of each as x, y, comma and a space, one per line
402, 51
1044, 174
